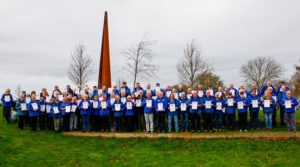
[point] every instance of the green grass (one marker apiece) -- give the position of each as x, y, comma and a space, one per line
46, 148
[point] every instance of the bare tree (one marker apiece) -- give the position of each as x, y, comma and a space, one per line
18, 91
295, 81
139, 60
261, 69
192, 64
81, 66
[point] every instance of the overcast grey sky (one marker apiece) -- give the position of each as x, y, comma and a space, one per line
37, 37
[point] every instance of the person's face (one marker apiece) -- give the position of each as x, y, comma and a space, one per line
85, 97
268, 83
207, 94
33, 96
148, 94
183, 95
137, 85
161, 94
289, 94
253, 93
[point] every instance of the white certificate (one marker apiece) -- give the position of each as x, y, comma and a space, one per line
95, 104
230, 102
74, 107
85, 105
275, 98
138, 102
55, 110
103, 105
129, 105
7, 98
43, 108
137, 94
180, 94
232, 91
48, 108
160, 106
208, 104
154, 97
189, 96
23, 106
288, 104
211, 92
68, 109
117, 107
168, 93
100, 91
183, 107
200, 93
28, 100
123, 99
240, 105
176, 95
112, 100
34, 106
47, 99
194, 105
267, 103
149, 103
60, 97
254, 103
172, 108
219, 105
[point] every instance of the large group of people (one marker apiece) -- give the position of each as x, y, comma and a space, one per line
153, 110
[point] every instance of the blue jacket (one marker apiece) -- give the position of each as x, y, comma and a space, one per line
122, 108
215, 105
173, 102
199, 104
245, 102
268, 109
236, 93
85, 111
55, 115
127, 90
33, 113
164, 104
264, 88
20, 112
62, 107
96, 108
116, 92
186, 102
42, 108
211, 100
148, 110
293, 106
251, 98
129, 112
229, 109
105, 112
281, 96
8, 103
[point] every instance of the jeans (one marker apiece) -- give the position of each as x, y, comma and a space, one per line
290, 120
268, 120
170, 120
73, 121
56, 124
86, 123
254, 119
218, 120
184, 116
149, 122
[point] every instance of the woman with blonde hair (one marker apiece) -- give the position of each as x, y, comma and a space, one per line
7, 102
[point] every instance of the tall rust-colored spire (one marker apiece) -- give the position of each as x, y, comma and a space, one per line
104, 69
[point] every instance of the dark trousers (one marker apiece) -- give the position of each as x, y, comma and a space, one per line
66, 122
42, 121
96, 123
49, 122
33, 123
129, 123
254, 119
118, 124
161, 121
21, 122
194, 119
224, 119
104, 123
230, 121
26, 118
274, 123
208, 121
243, 120
7, 113
140, 118
282, 115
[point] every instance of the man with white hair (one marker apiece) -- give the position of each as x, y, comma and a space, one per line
290, 104
160, 107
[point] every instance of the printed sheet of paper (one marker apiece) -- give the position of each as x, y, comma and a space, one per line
74, 107
172, 108
85, 105
34, 106
194, 105
138, 103
55, 110
183, 107
43, 108
7, 98
23, 106
267, 103
160, 106
68, 109
219, 105
288, 104
208, 104
118, 107
254, 103
240, 105
129, 105
149, 103
200, 93
230, 102
95, 104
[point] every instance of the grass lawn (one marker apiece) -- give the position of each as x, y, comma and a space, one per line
46, 148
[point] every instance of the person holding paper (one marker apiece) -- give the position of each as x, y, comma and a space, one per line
73, 116
160, 107
268, 104
230, 109
148, 89
149, 109
195, 112
281, 95
49, 117
21, 107
85, 111
184, 114
265, 88
56, 114
208, 102
168, 91
290, 103
118, 109
129, 114
273, 96
105, 113
42, 113
254, 105
138, 88
125, 88
7, 103
180, 91
254, 88
33, 109
139, 109
200, 91
218, 103
65, 113
232, 90
95, 113
173, 113
242, 106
